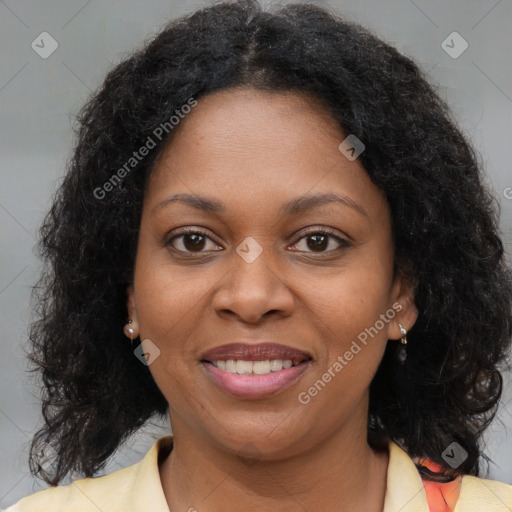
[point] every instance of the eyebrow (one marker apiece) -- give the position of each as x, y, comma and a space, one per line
294, 207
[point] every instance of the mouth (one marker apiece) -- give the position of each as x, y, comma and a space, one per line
255, 371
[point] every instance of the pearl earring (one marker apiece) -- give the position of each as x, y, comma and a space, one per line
129, 331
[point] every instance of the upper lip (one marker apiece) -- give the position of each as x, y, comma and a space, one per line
255, 352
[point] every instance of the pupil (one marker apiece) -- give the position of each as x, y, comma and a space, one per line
198, 240
321, 245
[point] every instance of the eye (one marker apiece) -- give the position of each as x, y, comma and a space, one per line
193, 240
318, 240
190, 240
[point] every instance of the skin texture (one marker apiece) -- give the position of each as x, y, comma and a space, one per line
254, 151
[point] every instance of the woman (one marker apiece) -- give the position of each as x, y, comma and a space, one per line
272, 231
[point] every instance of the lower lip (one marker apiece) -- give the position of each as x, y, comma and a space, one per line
255, 386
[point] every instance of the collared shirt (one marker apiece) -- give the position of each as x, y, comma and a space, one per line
138, 488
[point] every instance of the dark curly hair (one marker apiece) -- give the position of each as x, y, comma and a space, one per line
96, 393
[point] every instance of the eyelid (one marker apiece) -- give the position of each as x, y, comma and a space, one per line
185, 230
325, 230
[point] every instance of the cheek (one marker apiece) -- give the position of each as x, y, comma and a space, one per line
171, 304
168, 311
354, 339
355, 298
170, 298
352, 311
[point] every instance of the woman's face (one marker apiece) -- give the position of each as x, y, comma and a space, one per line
257, 269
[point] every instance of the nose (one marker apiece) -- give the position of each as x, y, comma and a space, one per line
253, 290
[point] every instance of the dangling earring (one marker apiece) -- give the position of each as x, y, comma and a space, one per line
402, 355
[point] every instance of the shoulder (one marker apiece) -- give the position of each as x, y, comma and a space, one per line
100, 493
479, 494
465, 493
135, 488
407, 491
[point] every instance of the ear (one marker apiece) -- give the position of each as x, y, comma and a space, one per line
130, 304
404, 305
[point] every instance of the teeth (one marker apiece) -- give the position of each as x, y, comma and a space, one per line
276, 365
242, 367
261, 367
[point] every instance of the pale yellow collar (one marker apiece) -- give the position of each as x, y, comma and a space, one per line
147, 483
139, 488
404, 489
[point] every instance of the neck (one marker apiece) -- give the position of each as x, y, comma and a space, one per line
341, 473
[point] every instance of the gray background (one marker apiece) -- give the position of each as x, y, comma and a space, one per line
39, 96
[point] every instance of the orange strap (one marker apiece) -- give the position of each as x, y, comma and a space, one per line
441, 497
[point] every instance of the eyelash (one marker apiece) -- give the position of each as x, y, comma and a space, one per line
316, 231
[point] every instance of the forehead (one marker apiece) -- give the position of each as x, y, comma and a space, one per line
237, 122
249, 145
251, 108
